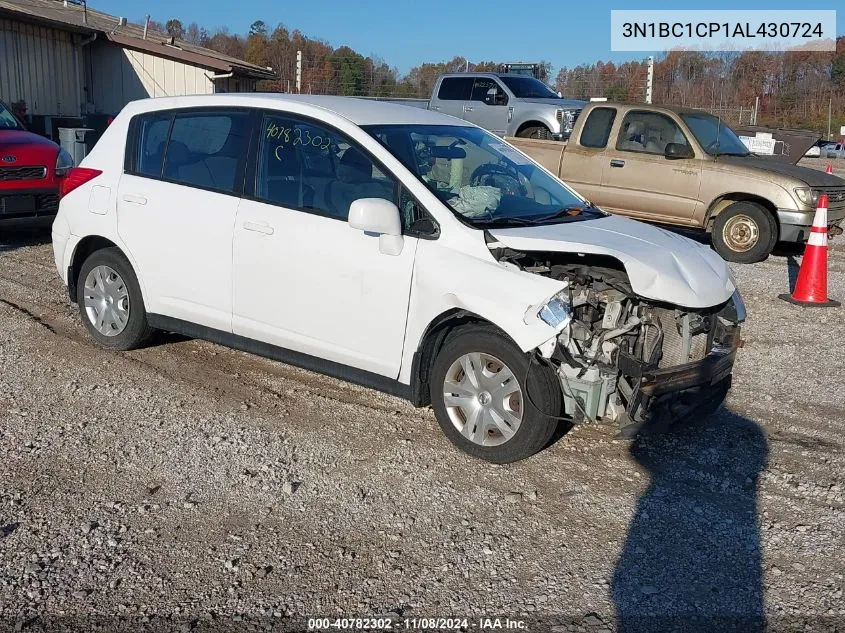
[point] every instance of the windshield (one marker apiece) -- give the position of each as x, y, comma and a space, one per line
481, 178
8, 120
715, 137
528, 88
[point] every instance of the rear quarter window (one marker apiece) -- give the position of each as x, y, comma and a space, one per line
597, 128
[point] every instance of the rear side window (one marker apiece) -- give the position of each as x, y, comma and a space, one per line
152, 141
455, 89
596, 130
207, 149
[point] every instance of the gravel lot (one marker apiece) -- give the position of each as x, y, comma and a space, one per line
186, 486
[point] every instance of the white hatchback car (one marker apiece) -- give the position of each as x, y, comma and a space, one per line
398, 248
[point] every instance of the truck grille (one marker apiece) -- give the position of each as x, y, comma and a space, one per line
835, 196
673, 340
22, 173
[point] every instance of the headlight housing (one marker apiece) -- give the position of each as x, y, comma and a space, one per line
567, 120
64, 162
557, 311
807, 196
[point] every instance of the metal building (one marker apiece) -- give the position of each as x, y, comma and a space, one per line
66, 61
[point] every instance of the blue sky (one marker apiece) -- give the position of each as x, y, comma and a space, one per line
404, 33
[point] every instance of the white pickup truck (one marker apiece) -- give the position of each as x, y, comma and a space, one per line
507, 104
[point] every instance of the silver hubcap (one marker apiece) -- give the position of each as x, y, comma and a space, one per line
483, 399
740, 233
106, 301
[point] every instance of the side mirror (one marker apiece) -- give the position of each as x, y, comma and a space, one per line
675, 151
376, 216
494, 97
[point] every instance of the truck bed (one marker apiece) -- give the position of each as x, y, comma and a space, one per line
548, 153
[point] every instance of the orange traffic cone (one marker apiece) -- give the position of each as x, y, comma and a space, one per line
828, 169
811, 285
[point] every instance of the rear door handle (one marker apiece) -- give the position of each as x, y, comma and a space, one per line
134, 198
467, 108
258, 227
433, 107
617, 163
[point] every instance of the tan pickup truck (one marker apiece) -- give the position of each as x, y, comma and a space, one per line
687, 168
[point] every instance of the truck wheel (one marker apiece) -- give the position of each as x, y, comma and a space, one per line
478, 391
535, 131
745, 232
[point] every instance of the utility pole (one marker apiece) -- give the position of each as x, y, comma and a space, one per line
650, 81
299, 71
756, 108
829, 103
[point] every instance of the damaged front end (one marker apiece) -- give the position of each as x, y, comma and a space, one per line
626, 359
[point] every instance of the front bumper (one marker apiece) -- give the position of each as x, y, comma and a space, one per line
795, 225
712, 370
25, 206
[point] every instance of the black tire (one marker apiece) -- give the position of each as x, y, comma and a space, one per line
535, 131
136, 331
536, 428
767, 233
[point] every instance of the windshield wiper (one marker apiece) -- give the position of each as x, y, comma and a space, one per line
569, 211
732, 154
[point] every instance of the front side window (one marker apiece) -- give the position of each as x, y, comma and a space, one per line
480, 88
649, 133
302, 165
528, 88
205, 149
455, 88
8, 121
482, 179
716, 138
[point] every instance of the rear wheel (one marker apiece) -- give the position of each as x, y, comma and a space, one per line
479, 395
110, 301
745, 232
535, 131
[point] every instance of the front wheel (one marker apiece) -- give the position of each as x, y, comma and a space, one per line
745, 232
535, 131
480, 399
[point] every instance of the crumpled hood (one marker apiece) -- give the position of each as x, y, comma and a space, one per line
661, 265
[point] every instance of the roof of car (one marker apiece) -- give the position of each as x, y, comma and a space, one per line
356, 110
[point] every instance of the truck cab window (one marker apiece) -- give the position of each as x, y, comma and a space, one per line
597, 128
649, 133
455, 88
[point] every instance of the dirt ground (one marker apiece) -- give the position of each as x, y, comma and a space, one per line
201, 488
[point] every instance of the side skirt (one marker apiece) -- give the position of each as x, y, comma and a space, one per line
281, 354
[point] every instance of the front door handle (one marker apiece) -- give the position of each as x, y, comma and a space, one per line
617, 163
467, 108
258, 227
134, 198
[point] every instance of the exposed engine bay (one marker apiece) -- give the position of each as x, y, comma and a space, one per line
626, 359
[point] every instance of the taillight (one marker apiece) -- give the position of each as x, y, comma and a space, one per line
76, 177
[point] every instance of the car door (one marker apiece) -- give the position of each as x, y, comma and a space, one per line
638, 180
584, 158
485, 111
177, 202
304, 279
452, 96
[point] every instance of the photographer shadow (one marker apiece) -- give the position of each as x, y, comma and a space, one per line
692, 561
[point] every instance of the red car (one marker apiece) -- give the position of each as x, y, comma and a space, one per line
31, 169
